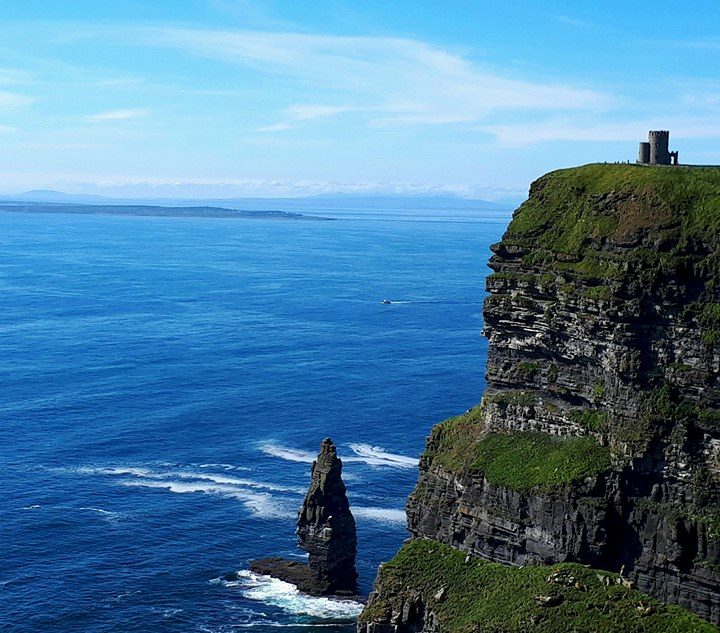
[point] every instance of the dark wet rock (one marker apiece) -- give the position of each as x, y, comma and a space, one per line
326, 531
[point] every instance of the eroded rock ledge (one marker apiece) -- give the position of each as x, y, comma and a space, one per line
598, 438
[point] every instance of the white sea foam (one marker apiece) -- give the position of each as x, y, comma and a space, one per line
380, 515
32, 507
123, 596
113, 518
99, 511
255, 495
260, 504
111, 470
223, 466
364, 453
376, 456
288, 454
287, 597
233, 481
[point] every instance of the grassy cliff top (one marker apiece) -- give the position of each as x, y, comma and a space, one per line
568, 206
480, 596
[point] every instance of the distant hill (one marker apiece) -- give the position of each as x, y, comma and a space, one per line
19, 206
50, 195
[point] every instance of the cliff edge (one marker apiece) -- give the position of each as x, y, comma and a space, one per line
597, 441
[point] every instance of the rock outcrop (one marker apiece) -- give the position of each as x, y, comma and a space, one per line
598, 438
326, 531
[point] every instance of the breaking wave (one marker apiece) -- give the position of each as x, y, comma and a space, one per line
363, 453
224, 466
256, 496
391, 516
260, 504
288, 454
376, 456
287, 597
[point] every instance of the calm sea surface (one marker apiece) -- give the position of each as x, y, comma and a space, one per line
165, 384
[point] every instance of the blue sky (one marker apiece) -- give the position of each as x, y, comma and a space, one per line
252, 98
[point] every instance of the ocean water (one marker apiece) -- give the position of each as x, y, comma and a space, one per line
165, 384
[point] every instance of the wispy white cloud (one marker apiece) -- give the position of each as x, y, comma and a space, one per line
14, 76
397, 81
708, 44
575, 22
119, 115
554, 130
276, 127
307, 112
14, 100
303, 112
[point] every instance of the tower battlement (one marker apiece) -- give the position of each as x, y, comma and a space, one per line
656, 150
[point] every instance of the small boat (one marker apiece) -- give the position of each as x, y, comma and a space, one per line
386, 302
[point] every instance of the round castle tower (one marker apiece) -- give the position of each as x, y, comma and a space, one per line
659, 147
656, 150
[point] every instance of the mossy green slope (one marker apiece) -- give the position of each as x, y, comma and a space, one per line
563, 205
518, 460
484, 597
570, 212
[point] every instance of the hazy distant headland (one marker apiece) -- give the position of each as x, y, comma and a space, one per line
321, 207
151, 210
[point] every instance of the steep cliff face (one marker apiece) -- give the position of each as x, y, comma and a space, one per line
598, 438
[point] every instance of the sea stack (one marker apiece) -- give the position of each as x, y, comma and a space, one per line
326, 531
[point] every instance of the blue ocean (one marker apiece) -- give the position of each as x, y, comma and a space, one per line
165, 384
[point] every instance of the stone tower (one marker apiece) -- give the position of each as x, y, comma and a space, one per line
656, 151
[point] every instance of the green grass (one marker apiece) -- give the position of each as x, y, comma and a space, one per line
511, 397
484, 597
520, 461
572, 208
710, 314
591, 419
528, 369
453, 442
711, 338
599, 293
523, 461
692, 193
709, 515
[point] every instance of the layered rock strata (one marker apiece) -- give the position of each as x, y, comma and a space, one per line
326, 531
598, 438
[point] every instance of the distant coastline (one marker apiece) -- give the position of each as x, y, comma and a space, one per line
153, 211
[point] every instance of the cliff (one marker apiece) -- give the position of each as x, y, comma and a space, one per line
326, 531
598, 438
